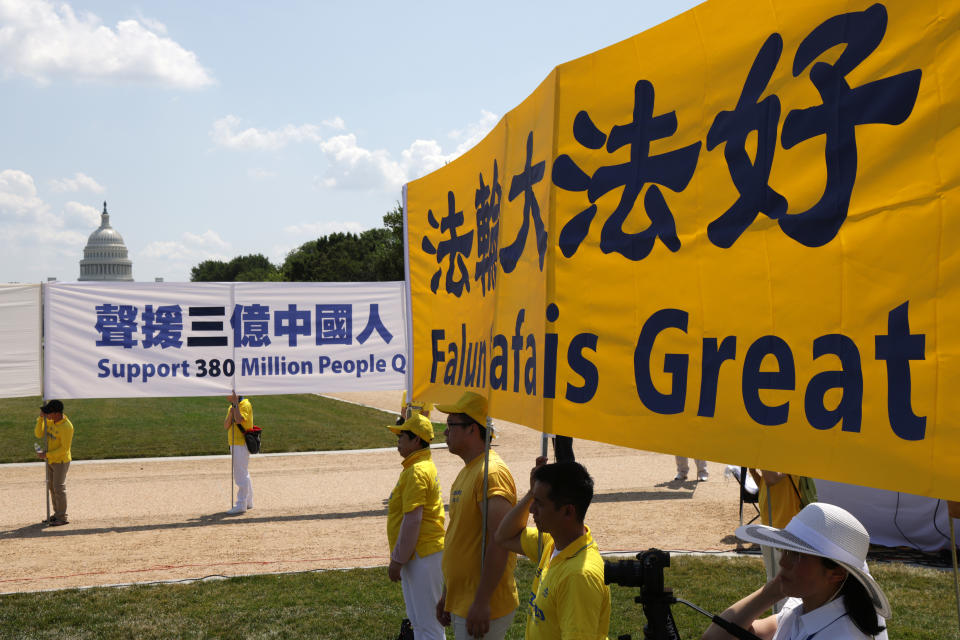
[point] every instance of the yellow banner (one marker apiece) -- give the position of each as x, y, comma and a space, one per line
727, 238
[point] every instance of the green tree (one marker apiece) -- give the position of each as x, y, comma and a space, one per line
254, 267
375, 255
391, 258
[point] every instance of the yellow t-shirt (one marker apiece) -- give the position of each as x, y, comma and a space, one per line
461, 554
234, 435
784, 503
418, 486
568, 598
59, 438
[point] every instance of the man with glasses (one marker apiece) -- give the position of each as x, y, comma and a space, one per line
479, 601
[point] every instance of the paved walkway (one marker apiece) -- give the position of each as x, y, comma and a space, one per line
155, 519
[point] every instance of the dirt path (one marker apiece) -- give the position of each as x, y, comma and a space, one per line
164, 519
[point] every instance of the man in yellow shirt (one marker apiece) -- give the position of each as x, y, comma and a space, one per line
415, 527
56, 431
479, 601
569, 599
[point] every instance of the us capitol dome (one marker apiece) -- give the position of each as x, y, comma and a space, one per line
105, 256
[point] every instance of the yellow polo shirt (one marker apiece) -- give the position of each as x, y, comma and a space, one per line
461, 554
60, 437
234, 435
784, 503
418, 486
568, 598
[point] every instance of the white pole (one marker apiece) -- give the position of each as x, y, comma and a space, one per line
43, 401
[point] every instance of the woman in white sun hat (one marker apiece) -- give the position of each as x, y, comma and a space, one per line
823, 573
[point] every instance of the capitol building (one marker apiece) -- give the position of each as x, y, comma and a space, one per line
105, 256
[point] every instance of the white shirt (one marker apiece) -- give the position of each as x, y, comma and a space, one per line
828, 622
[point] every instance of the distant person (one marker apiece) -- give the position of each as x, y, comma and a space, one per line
56, 431
479, 603
407, 408
239, 419
415, 528
683, 468
563, 449
568, 598
823, 573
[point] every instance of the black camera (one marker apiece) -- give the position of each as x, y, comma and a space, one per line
645, 571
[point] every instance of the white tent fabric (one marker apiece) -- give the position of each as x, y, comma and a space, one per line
19, 340
893, 519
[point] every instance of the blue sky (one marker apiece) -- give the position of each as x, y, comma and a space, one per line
218, 128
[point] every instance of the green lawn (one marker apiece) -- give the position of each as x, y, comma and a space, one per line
363, 604
148, 427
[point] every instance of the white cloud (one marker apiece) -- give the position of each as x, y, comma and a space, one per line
42, 41
18, 195
227, 133
81, 216
335, 123
261, 174
190, 248
78, 182
349, 164
353, 167
33, 237
474, 132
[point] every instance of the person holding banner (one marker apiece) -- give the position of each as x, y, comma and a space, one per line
568, 598
57, 432
823, 573
415, 527
239, 419
406, 408
779, 502
479, 596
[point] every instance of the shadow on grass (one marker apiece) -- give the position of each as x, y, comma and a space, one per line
642, 496
40, 530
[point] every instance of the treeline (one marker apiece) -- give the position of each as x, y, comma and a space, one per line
374, 255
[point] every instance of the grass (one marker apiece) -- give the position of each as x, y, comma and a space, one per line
362, 603
152, 427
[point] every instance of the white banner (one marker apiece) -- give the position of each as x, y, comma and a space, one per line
19, 340
123, 339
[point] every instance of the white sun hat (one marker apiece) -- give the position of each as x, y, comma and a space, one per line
824, 530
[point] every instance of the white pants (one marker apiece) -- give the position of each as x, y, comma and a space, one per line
683, 465
422, 582
498, 627
241, 476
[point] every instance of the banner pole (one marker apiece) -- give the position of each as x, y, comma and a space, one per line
486, 483
543, 453
953, 509
408, 300
43, 401
233, 390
